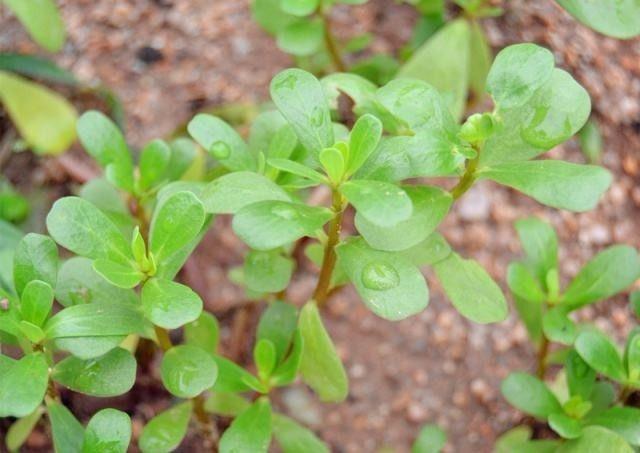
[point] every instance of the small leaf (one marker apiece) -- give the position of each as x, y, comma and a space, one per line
36, 302
523, 284
554, 183
108, 431
431, 439
558, 327
388, 283
177, 220
226, 404
68, 433
471, 289
125, 276
264, 356
321, 367
249, 431
294, 438
154, 163
601, 354
109, 375
591, 141
299, 7
363, 140
581, 378
271, 224
42, 20
301, 100
333, 163
298, 169
104, 141
222, 142
540, 243
608, 273
565, 426
479, 60
23, 385
35, 258
233, 378
267, 272
301, 38
20, 430
623, 420
187, 371
203, 332
381, 203
287, 371
169, 304
277, 324
620, 19
165, 431
81, 227
596, 438
530, 395
517, 72
233, 191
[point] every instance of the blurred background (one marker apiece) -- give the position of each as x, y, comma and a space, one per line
154, 63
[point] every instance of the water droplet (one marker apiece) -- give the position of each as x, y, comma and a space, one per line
380, 276
284, 211
220, 150
317, 116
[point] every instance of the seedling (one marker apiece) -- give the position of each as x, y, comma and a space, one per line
576, 405
132, 231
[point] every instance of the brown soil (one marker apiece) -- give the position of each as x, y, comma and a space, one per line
435, 367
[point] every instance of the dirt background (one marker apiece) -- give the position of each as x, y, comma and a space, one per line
167, 58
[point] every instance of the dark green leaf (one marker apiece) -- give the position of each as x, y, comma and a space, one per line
267, 272
68, 433
623, 420
249, 431
23, 385
36, 67
169, 304
108, 431
277, 324
232, 378
226, 404
36, 302
558, 327
601, 354
35, 258
203, 332
530, 395
188, 370
580, 376
165, 431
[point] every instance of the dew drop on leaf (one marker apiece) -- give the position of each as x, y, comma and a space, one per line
380, 276
220, 150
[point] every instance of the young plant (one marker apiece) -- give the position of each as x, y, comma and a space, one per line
576, 406
133, 230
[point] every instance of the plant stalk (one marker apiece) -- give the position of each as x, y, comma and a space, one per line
330, 43
543, 350
321, 292
467, 179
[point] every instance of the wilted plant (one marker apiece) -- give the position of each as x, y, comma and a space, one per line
133, 230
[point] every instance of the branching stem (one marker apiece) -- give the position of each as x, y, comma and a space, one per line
329, 259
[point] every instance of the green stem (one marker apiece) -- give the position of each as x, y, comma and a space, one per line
330, 43
321, 292
467, 179
543, 350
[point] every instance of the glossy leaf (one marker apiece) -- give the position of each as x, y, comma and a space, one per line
226, 404
277, 324
565, 426
169, 304
363, 140
23, 385
530, 395
321, 367
203, 332
294, 438
35, 258
620, 19
523, 284
380, 203
154, 163
596, 438
36, 302
267, 272
249, 431
165, 431
108, 431
68, 433
125, 276
188, 370
581, 378
540, 244
233, 378
558, 327
601, 354
623, 420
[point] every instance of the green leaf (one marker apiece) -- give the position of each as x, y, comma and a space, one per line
388, 283
363, 140
530, 395
165, 431
222, 142
249, 431
177, 220
608, 273
264, 356
300, 98
558, 327
559, 109
109, 375
298, 169
13, 207
591, 141
581, 378
36, 302
333, 163
299, 7
42, 20
154, 163
121, 275
620, 19
45, 119
32, 332
108, 431
23, 385
431, 439
78, 283
269, 15
203, 332
188, 371
68, 433
517, 72
479, 60
104, 141
20, 430
321, 367
35, 258
36, 67
233, 378
623, 420
302, 37
108, 198
287, 371
79, 226
554, 183
428, 252
95, 320
471, 289
267, 272
540, 243
632, 355
565, 426
294, 438
430, 205
380, 203
277, 324
601, 354
226, 404
524, 285
596, 438
232, 192
443, 61
271, 224
169, 304
183, 154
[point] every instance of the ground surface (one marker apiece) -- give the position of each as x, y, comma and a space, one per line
434, 367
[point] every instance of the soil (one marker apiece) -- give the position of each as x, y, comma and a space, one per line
168, 58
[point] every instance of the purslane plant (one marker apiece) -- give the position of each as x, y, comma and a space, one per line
577, 406
133, 230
